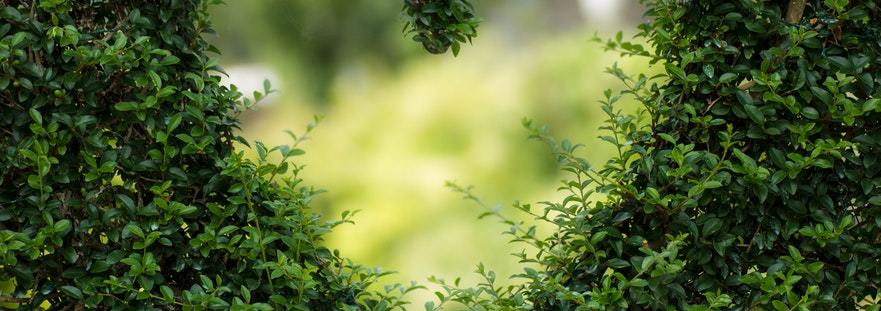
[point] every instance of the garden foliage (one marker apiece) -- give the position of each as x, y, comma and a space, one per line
748, 179
120, 187
440, 24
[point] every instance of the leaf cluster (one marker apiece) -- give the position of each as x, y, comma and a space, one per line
747, 180
120, 187
440, 25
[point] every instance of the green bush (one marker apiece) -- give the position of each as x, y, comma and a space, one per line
120, 187
748, 180
440, 24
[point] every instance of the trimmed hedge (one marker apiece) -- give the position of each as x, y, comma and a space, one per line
748, 180
120, 187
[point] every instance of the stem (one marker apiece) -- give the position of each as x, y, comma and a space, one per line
795, 11
494, 212
259, 229
713, 172
175, 301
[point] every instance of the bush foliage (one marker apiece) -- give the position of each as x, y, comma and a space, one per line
747, 180
120, 187
440, 24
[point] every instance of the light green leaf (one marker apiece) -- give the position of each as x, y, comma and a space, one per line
125, 106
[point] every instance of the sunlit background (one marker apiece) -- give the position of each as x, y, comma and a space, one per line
399, 122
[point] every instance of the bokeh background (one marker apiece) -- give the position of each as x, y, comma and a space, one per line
399, 122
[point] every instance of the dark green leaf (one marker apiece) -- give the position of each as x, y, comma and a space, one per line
712, 225
73, 292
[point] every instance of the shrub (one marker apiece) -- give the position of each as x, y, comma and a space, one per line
120, 186
440, 24
747, 180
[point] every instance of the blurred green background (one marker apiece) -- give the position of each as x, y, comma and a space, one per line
400, 122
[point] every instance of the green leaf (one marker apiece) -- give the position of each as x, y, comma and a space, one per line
779, 305
709, 70
227, 230
150, 102
294, 152
127, 202
69, 254
727, 77
617, 263
135, 229
261, 307
267, 86
744, 98
125, 106
744, 158
810, 113
62, 226
822, 94
873, 104
169, 60
157, 81
837, 5
711, 226
598, 237
187, 210
638, 283
246, 294
675, 71
667, 137
17, 39
35, 115
754, 113
167, 293
174, 121
647, 263
73, 292
794, 253
120, 42
712, 184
